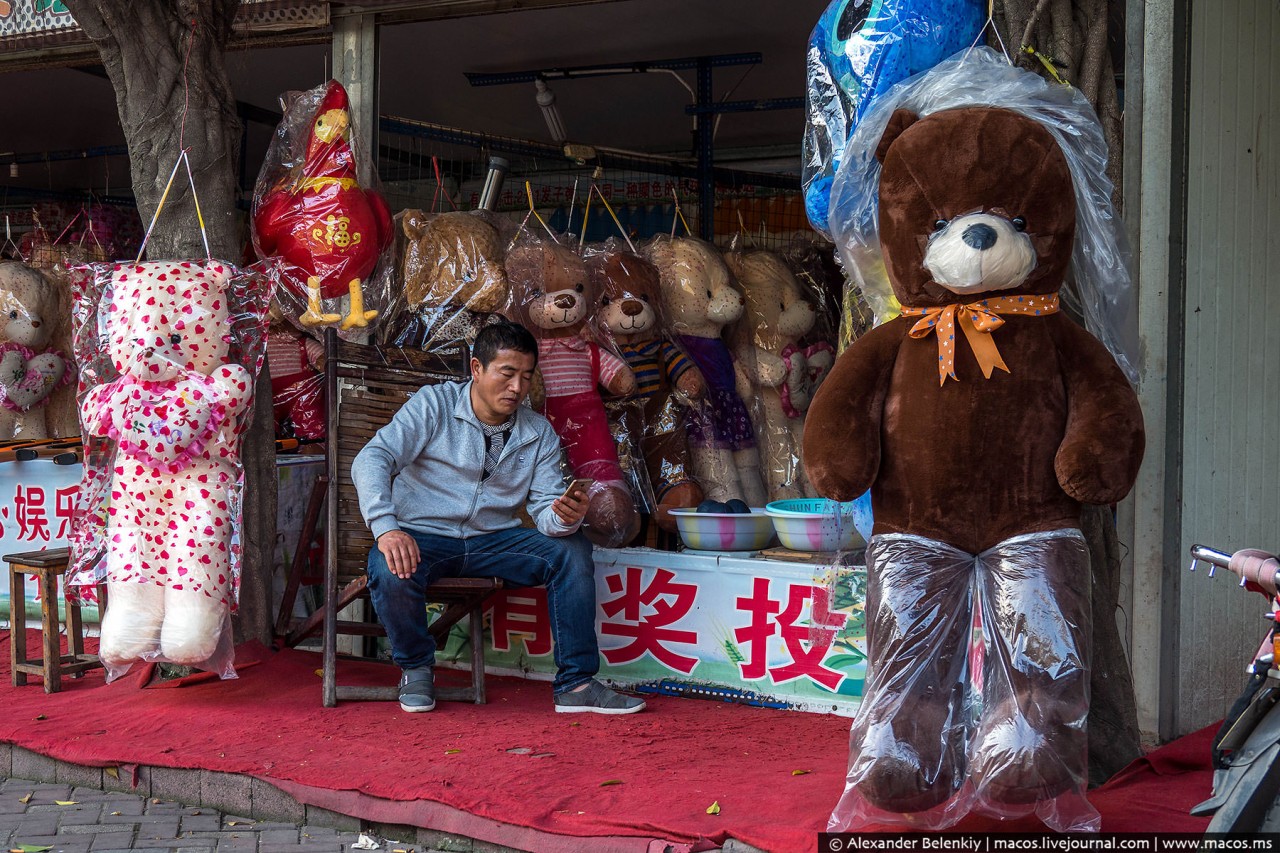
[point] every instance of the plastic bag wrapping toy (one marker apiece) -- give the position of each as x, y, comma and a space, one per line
551, 296
778, 312
297, 379
331, 235
454, 281
169, 353
700, 298
858, 49
653, 420
985, 712
34, 360
981, 419
1098, 285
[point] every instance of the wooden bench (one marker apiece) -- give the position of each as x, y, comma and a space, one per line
47, 567
366, 386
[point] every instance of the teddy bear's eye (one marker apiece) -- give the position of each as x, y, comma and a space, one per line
537, 294
13, 315
939, 224
175, 339
579, 288
1019, 223
644, 298
605, 301
782, 306
709, 296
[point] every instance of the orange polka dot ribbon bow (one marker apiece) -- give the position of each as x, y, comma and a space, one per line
977, 320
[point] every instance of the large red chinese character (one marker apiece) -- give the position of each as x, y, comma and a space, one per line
64, 508
523, 613
806, 651
33, 522
667, 602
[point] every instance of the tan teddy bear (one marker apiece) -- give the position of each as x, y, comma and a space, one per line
453, 278
30, 369
767, 345
701, 298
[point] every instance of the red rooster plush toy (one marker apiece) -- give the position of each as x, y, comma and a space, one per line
328, 229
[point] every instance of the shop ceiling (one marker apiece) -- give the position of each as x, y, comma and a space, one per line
426, 50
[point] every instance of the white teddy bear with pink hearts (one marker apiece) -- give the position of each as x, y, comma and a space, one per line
174, 413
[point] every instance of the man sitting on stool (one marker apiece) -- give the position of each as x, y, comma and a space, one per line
440, 486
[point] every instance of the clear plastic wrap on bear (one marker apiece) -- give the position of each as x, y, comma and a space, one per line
170, 351
551, 295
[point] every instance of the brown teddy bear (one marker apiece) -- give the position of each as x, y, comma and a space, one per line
629, 307
31, 369
551, 295
768, 335
981, 419
700, 298
454, 282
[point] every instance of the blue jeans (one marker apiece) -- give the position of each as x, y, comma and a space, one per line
520, 557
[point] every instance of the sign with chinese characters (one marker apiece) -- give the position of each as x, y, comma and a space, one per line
763, 631
37, 499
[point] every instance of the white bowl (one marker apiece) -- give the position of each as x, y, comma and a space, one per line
724, 531
815, 524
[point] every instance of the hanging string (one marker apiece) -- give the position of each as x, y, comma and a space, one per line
440, 190
568, 229
186, 91
586, 214
163, 197
528, 191
614, 216
199, 216
991, 24
8, 237
679, 217
71, 222
182, 160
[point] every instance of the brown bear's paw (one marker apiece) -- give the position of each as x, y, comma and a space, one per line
910, 768
901, 787
680, 496
1015, 763
611, 519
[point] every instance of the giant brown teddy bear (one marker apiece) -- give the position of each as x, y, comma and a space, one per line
981, 415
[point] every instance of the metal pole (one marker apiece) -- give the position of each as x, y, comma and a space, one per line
706, 154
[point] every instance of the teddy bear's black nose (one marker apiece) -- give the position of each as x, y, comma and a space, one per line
564, 302
632, 307
979, 237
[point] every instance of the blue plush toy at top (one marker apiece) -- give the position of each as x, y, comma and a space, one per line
859, 49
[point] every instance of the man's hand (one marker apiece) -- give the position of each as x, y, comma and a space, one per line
571, 507
401, 551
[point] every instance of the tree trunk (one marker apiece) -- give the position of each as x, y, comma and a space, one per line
1073, 34
165, 62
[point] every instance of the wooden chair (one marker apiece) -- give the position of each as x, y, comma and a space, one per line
48, 566
365, 387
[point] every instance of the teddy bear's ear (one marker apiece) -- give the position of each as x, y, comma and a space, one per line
413, 223
898, 122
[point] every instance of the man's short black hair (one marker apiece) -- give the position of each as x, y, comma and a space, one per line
505, 335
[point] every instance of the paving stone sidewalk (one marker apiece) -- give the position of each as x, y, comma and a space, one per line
37, 817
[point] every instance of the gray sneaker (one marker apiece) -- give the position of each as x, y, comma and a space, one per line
418, 690
595, 698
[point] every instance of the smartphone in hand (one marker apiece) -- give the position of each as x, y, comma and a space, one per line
581, 484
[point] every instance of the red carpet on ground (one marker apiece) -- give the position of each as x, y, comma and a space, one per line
514, 761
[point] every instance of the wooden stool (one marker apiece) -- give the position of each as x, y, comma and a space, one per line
47, 566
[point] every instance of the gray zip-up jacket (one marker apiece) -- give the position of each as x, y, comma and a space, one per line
423, 470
